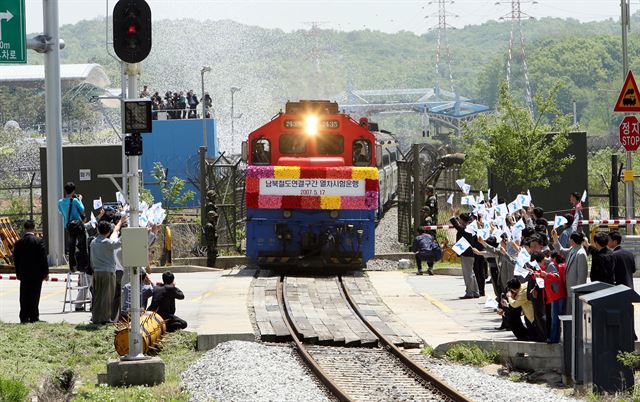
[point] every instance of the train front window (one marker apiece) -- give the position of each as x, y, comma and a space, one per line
361, 151
329, 144
261, 152
292, 144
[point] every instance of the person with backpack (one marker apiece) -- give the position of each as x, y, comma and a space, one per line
426, 248
72, 210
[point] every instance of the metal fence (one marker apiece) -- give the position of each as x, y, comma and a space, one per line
225, 177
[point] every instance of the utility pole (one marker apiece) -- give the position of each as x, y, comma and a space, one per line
628, 176
54, 133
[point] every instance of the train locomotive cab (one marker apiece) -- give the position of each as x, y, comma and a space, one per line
311, 189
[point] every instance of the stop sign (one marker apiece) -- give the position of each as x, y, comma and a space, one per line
630, 133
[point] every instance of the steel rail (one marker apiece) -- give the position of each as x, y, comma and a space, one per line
406, 360
302, 350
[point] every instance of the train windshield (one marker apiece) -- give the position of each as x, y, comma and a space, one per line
291, 144
330, 144
361, 153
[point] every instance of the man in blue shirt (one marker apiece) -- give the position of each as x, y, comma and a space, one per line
72, 210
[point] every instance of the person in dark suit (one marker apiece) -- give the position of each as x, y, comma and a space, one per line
30, 258
624, 264
601, 258
164, 302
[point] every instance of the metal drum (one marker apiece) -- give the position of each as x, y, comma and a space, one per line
152, 329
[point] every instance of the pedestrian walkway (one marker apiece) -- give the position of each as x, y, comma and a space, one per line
430, 306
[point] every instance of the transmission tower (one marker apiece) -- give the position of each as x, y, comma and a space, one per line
516, 16
317, 52
442, 37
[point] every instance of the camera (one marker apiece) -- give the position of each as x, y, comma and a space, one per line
112, 214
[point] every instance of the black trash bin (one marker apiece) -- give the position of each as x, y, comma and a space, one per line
576, 330
607, 330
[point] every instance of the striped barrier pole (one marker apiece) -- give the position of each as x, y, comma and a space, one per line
580, 222
15, 278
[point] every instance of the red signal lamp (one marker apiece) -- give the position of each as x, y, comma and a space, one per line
132, 29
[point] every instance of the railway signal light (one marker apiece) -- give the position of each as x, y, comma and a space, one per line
132, 30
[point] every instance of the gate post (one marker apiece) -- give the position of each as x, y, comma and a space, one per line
417, 191
202, 152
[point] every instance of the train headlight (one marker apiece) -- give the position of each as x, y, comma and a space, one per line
311, 125
333, 214
287, 213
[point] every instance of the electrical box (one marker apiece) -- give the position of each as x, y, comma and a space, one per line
577, 358
607, 330
135, 247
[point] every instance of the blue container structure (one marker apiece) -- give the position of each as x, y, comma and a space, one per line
175, 144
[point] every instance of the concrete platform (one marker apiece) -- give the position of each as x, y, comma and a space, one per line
430, 306
215, 304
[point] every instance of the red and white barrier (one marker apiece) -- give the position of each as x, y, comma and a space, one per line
15, 278
580, 222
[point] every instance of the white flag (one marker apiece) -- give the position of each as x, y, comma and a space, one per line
460, 183
466, 188
520, 225
481, 197
461, 246
520, 271
559, 221
491, 303
97, 204
584, 196
524, 200
540, 283
514, 206
494, 200
120, 198
468, 200
450, 199
503, 210
94, 222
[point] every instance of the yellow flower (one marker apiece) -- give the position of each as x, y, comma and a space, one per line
330, 202
286, 172
362, 173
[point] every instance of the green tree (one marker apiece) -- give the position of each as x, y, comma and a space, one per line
172, 190
516, 146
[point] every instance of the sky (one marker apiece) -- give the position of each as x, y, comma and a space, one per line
383, 15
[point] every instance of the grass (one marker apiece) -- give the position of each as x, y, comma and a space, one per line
471, 354
12, 390
427, 350
34, 352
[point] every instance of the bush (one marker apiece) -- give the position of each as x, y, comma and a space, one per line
12, 390
472, 354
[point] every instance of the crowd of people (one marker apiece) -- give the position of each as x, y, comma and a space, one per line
177, 105
532, 265
94, 249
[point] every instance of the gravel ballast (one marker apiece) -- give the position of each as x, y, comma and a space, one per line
249, 371
387, 233
480, 386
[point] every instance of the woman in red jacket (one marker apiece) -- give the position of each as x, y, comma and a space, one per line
555, 291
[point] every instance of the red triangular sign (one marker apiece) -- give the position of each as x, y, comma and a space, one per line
629, 98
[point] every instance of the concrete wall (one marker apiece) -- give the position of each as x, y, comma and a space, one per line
556, 197
98, 159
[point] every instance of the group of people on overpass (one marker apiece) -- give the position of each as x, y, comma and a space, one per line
177, 105
532, 263
94, 250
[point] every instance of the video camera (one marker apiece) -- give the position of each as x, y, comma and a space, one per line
112, 212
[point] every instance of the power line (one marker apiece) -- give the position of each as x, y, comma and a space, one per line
516, 16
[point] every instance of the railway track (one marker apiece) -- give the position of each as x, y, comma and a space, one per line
367, 374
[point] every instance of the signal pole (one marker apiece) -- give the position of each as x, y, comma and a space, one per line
54, 132
628, 174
